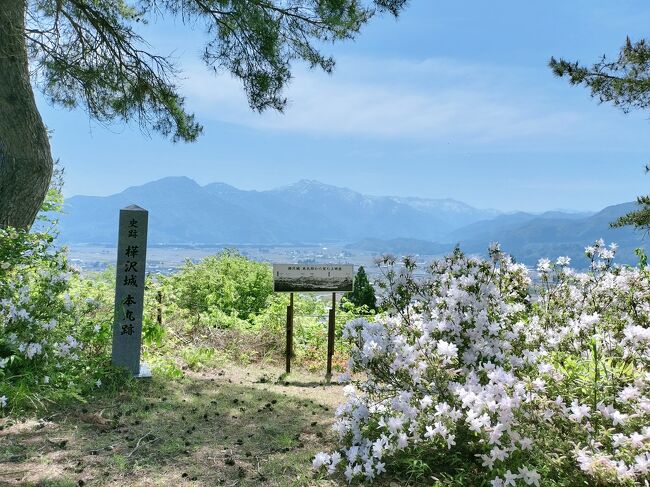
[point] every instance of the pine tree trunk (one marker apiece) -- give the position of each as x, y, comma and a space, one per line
25, 158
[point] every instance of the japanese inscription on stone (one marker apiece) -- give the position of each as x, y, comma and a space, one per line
129, 288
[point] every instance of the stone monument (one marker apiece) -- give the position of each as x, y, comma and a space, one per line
129, 290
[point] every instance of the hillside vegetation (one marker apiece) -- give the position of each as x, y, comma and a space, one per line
469, 373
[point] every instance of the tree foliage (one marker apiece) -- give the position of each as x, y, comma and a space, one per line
91, 53
623, 82
363, 294
639, 218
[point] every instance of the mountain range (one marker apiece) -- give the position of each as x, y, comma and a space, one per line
181, 211
184, 212
547, 235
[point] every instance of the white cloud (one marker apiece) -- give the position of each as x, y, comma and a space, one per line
434, 100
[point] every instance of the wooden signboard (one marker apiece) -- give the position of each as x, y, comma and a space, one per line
312, 277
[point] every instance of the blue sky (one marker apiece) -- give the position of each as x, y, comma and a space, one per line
454, 99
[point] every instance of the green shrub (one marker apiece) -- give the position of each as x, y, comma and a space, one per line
197, 358
54, 328
229, 282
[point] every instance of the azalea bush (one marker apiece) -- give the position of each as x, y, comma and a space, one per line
480, 375
54, 328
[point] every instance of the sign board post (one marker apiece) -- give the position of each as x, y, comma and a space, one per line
331, 331
312, 278
289, 350
129, 290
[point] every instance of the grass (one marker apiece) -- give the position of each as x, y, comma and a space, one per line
232, 426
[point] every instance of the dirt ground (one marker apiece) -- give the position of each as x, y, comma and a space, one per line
230, 426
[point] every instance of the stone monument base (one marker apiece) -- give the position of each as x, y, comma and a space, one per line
145, 372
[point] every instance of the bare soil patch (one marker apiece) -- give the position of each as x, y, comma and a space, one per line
233, 426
